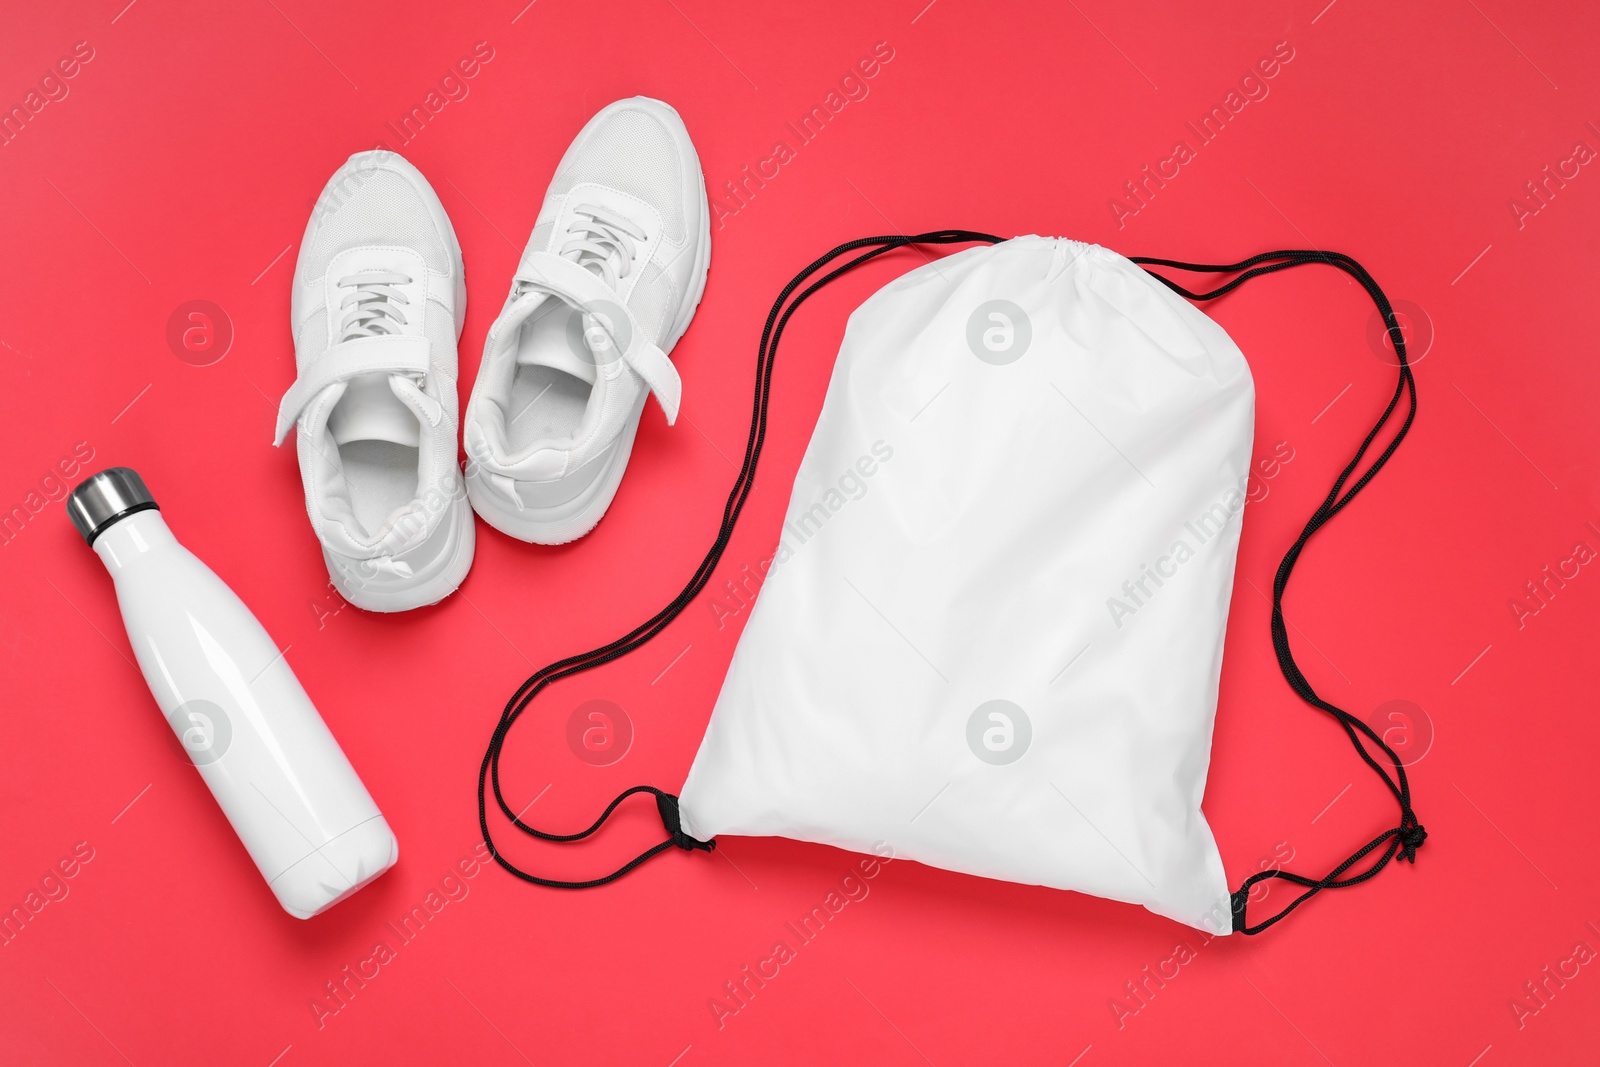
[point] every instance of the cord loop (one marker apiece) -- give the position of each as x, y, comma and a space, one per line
1403, 840
1411, 839
666, 803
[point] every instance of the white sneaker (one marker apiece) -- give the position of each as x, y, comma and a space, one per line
608, 283
379, 301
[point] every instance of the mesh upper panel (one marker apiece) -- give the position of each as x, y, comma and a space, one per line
312, 340
630, 150
376, 207
652, 302
539, 241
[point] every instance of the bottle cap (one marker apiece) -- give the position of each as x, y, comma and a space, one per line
101, 499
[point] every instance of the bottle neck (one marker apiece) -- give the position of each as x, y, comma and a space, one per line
127, 541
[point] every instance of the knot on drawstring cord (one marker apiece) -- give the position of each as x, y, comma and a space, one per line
667, 805
1238, 900
1411, 838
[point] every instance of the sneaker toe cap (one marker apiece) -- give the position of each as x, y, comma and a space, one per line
638, 146
377, 198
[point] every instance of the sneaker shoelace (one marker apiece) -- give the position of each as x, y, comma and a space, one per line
373, 309
603, 242
372, 304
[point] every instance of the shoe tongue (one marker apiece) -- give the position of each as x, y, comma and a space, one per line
370, 410
559, 357
562, 337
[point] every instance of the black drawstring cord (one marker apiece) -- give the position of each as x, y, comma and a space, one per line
666, 803
1401, 841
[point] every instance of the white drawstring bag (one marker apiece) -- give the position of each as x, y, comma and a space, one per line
991, 634
998, 651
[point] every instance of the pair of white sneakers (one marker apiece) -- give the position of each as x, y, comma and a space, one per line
607, 284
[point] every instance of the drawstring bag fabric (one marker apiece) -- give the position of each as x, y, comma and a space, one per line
961, 648
990, 635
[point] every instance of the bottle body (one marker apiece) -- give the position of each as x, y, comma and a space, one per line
279, 775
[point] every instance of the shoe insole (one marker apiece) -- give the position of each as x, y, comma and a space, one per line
550, 387
546, 405
377, 437
369, 411
382, 476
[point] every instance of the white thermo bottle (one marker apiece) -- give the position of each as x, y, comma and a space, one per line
238, 709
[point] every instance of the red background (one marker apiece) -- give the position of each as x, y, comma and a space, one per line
182, 165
